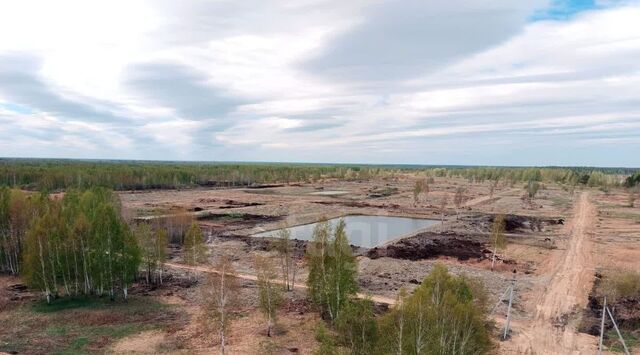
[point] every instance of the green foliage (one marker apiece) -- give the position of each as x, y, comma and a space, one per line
284, 247
613, 344
620, 284
498, 239
633, 180
532, 189
327, 342
79, 246
443, 316
269, 293
153, 245
420, 189
53, 174
332, 269
194, 248
357, 327
16, 212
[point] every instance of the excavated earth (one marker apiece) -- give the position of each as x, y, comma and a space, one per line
430, 245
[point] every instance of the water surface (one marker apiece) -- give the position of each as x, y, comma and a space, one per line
364, 231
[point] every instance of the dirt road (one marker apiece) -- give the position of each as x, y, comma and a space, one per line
567, 289
378, 299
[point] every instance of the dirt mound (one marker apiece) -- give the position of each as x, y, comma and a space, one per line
431, 245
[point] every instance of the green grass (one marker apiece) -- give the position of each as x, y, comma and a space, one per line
81, 325
67, 303
613, 343
561, 202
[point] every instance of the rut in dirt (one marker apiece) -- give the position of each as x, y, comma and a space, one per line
566, 291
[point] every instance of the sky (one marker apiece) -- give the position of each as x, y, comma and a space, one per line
474, 82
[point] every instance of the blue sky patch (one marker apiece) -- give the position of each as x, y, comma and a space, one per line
565, 9
16, 108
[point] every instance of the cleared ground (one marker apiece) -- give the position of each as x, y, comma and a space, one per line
556, 245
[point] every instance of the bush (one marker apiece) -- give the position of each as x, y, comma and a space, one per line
620, 284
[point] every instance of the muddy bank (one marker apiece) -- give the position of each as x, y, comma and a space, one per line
430, 245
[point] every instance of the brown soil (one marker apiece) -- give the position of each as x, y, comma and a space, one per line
565, 292
556, 245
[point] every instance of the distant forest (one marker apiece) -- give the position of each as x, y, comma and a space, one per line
57, 174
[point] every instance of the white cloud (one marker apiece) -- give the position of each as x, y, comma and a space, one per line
318, 80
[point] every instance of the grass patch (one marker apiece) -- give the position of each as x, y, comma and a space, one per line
613, 342
561, 202
81, 325
66, 303
622, 215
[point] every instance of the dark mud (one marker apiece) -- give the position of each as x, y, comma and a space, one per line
431, 245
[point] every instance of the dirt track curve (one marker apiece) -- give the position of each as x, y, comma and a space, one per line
566, 291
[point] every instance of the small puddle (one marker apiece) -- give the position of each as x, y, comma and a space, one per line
364, 231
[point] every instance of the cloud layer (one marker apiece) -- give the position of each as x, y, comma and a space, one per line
459, 82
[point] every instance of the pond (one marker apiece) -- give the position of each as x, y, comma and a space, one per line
364, 231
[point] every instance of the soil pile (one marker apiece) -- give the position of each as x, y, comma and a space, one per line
431, 245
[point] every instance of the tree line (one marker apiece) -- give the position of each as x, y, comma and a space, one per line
54, 174
76, 245
39, 174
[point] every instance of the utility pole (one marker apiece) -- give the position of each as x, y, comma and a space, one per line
626, 351
506, 326
604, 308
504, 294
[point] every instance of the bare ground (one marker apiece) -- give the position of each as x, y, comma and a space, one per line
570, 277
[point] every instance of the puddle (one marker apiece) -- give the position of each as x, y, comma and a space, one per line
364, 231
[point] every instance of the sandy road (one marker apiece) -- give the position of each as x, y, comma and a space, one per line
378, 299
571, 279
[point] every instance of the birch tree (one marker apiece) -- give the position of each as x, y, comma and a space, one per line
332, 269
444, 315
458, 200
194, 248
269, 293
146, 240
285, 249
218, 298
498, 239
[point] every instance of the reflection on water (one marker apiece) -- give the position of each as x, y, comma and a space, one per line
364, 231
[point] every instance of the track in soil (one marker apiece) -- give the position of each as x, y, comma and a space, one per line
566, 291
